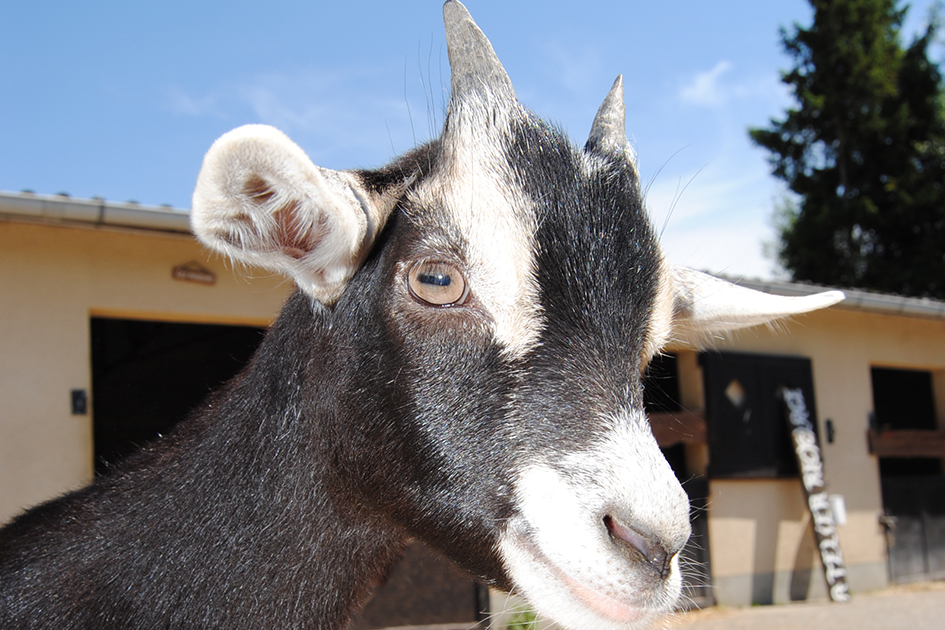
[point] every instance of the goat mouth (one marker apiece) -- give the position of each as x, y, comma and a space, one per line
604, 604
611, 608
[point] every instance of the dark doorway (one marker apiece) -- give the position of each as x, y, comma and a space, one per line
748, 435
903, 399
913, 487
661, 395
148, 375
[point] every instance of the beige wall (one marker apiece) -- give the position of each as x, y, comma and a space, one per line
52, 279
760, 542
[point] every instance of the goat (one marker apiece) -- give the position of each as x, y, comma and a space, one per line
461, 364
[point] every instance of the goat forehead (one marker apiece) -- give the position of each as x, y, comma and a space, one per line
598, 259
473, 194
544, 227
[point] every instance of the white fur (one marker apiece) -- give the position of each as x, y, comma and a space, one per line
473, 196
559, 552
331, 204
660, 326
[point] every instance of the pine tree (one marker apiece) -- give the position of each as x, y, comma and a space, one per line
864, 152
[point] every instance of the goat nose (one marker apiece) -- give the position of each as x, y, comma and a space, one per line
653, 552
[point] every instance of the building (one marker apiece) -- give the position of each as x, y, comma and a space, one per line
872, 369
100, 301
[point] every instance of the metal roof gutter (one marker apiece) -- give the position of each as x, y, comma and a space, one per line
59, 209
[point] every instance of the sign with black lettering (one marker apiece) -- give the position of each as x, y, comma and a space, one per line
815, 492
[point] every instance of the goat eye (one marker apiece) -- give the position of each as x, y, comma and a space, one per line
437, 283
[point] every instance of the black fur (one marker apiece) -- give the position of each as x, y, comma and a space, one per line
597, 267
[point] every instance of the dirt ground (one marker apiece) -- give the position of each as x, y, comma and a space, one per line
910, 607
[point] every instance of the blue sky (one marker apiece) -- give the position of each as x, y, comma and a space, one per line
121, 99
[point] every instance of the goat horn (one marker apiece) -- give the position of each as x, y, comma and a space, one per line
474, 66
608, 133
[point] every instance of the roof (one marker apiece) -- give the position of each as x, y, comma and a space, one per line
60, 209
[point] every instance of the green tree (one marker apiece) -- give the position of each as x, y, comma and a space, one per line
864, 152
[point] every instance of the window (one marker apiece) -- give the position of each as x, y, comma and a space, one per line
904, 399
748, 436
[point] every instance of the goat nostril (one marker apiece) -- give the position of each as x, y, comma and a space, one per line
651, 550
628, 535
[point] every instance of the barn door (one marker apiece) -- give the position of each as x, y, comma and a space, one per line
148, 375
915, 519
912, 482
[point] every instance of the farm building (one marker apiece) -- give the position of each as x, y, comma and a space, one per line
114, 322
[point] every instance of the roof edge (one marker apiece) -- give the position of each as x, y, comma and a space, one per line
59, 209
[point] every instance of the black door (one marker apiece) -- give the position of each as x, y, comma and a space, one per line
748, 437
915, 512
913, 487
661, 394
148, 375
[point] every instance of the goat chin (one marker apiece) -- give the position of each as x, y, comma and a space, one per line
574, 602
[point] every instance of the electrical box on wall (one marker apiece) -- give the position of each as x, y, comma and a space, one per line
80, 402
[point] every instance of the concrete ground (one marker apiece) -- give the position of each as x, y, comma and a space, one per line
911, 607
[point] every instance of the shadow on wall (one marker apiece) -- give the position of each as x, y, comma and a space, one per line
768, 585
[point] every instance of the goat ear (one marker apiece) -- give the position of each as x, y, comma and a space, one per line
260, 200
705, 305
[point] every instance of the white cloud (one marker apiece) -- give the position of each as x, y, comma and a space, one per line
294, 101
574, 68
274, 104
706, 89
338, 116
189, 105
734, 249
720, 86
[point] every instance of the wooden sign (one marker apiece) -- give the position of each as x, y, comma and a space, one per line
193, 272
815, 492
